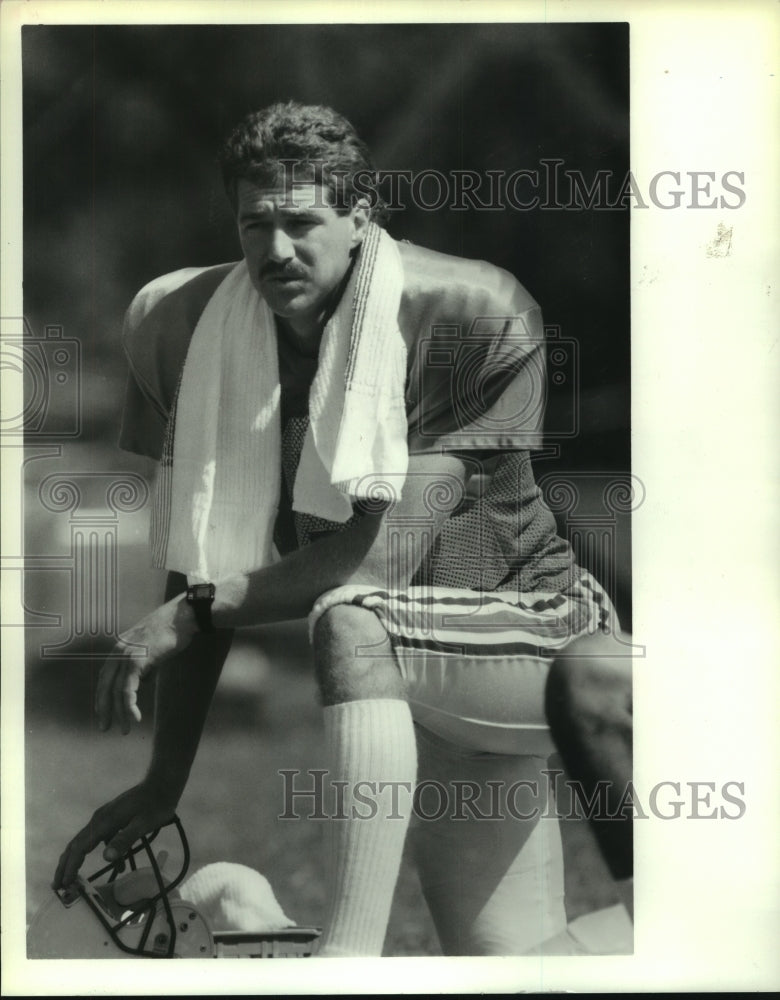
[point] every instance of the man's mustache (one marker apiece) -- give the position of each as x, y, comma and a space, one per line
274, 271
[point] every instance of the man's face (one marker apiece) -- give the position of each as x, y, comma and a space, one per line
297, 247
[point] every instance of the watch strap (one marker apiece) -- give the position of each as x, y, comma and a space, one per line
200, 596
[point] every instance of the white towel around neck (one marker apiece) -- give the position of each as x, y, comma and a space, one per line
216, 502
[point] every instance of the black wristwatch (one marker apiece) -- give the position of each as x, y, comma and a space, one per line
200, 597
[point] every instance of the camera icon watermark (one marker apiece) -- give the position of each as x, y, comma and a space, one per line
489, 385
563, 374
49, 369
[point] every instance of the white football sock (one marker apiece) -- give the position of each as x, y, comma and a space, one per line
368, 741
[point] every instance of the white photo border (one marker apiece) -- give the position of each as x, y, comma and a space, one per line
704, 386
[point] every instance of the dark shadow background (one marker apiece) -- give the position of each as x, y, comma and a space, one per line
121, 127
122, 124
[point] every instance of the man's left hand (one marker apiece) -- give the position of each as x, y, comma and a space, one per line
157, 637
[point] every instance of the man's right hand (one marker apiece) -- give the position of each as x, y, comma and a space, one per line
118, 823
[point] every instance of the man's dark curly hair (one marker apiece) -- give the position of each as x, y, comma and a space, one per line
301, 142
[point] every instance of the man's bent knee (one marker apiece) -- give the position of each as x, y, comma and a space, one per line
588, 683
352, 656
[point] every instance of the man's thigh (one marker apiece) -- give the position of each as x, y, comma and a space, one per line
475, 665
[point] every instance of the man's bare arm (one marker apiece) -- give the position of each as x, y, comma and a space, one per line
184, 691
382, 549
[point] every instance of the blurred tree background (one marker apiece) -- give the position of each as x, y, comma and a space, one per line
121, 128
120, 185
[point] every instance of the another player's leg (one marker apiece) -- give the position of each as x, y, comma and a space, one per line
371, 745
588, 703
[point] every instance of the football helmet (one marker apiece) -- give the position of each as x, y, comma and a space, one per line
140, 912
116, 912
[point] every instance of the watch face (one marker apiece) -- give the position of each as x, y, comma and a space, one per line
202, 592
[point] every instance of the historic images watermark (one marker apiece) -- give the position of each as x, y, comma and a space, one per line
309, 795
549, 185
